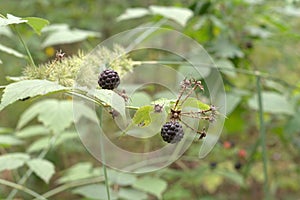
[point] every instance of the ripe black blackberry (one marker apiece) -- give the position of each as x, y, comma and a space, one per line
109, 79
172, 132
238, 165
213, 165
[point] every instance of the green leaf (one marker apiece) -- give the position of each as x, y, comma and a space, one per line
195, 72
152, 185
10, 19
232, 101
273, 102
4, 130
258, 32
58, 118
39, 144
212, 181
293, 125
42, 168
28, 88
5, 30
94, 191
110, 98
79, 171
176, 191
223, 48
226, 67
179, 15
132, 13
142, 115
11, 51
131, 194
289, 11
13, 161
234, 176
44, 142
55, 28
9, 140
121, 178
140, 99
82, 110
67, 36
31, 131
37, 24
195, 103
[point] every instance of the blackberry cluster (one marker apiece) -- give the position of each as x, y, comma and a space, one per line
109, 79
172, 132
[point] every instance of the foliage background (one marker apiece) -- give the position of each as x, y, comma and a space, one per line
242, 35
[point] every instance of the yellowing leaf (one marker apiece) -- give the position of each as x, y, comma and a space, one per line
142, 115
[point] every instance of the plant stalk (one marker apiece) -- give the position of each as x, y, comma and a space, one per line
221, 68
22, 188
262, 131
24, 45
99, 112
70, 185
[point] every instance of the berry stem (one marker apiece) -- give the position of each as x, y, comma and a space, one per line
195, 117
179, 97
202, 132
189, 93
202, 112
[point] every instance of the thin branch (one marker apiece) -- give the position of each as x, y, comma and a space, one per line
222, 68
22, 188
24, 45
73, 184
263, 138
29, 171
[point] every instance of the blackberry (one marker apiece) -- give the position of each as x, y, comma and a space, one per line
109, 79
213, 165
238, 165
172, 132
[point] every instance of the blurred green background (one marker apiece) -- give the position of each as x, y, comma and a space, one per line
242, 36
